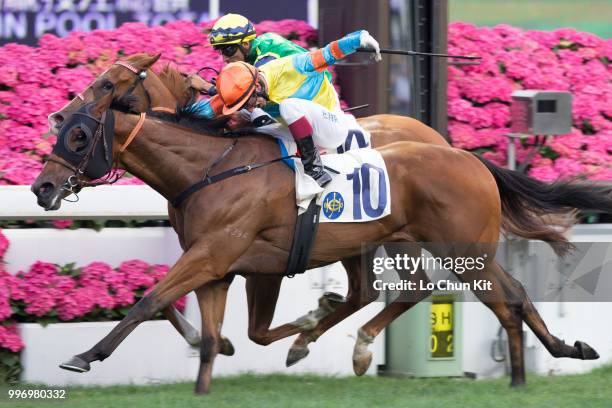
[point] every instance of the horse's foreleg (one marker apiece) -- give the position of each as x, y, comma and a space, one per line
210, 337
182, 325
262, 295
193, 269
220, 298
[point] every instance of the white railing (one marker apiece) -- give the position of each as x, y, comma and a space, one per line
157, 245
104, 202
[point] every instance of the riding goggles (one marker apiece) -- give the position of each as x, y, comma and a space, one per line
229, 49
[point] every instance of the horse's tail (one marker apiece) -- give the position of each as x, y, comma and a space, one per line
525, 201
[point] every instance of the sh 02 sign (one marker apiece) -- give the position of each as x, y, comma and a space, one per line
24, 21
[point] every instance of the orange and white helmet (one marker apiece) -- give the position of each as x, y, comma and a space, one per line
235, 85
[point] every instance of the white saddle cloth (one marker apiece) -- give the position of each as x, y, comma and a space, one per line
359, 190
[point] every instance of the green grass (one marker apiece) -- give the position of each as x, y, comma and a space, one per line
585, 391
584, 15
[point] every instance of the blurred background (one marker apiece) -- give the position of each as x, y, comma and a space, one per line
51, 50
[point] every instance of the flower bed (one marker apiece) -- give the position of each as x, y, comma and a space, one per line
35, 81
48, 293
565, 60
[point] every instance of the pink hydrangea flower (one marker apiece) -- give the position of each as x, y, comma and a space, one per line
39, 80
10, 339
512, 58
4, 244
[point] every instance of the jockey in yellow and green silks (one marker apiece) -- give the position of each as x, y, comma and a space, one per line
234, 36
297, 86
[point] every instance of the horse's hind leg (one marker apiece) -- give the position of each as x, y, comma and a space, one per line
362, 357
556, 347
506, 302
357, 297
510, 303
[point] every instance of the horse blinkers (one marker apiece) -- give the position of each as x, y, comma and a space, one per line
86, 142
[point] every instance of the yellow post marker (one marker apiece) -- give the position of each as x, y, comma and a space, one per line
441, 339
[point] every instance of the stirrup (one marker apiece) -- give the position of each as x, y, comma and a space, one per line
322, 177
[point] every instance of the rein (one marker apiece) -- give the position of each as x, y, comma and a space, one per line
236, 171
75, 181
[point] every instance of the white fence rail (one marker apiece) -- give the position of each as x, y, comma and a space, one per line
135, 202
331, 354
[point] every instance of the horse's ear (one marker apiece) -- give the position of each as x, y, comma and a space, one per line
101, 105
148, 61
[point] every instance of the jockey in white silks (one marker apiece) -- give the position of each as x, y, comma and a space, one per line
296, 89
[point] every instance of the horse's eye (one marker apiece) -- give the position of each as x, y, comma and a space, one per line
79, 139
107, 86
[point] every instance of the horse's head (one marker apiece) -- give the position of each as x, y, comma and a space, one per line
123, 81
83, 152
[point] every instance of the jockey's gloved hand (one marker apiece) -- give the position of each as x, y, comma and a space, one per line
212, 91
367, 41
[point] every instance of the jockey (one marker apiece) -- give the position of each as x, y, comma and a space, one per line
235, 38
296, 84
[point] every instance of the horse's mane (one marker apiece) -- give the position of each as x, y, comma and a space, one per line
178, 85
213, 127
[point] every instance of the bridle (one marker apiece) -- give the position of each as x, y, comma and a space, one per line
141, 75
75, 182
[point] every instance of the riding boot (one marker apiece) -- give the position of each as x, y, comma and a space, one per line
312, 160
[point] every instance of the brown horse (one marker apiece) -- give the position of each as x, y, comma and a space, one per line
432, 201
169, 90
262, 296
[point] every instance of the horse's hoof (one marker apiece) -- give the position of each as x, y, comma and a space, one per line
76, 364
331, 301
226, 347
296, 353
201, 391
362, 363
585, 352
517, 384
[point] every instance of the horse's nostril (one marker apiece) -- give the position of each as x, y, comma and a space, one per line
59, 119
45, 189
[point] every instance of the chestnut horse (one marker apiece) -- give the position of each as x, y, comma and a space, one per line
439, 195
168, 91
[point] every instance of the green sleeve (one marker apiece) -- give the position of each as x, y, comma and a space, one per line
272, 45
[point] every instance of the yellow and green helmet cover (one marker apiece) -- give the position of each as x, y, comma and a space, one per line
232, 29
